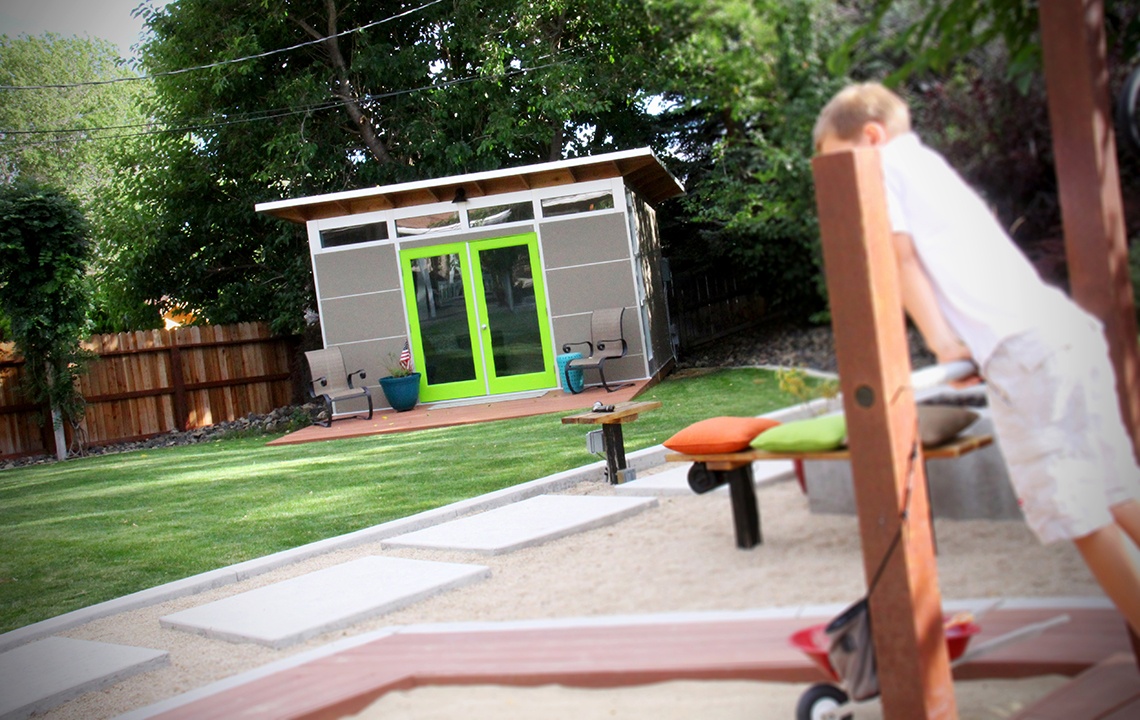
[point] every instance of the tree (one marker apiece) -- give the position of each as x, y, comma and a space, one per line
44, 249
438, 90
62, 135
68, 110
751, 80
972, 74
935, 35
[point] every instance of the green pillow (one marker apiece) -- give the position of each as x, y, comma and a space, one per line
814, 435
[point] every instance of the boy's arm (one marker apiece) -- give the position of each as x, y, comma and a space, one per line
920, 303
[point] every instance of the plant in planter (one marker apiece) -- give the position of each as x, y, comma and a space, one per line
402, 386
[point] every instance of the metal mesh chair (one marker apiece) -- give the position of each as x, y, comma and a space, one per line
607, 342
331, 382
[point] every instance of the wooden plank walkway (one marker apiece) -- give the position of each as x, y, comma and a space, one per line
609, 655
424, 417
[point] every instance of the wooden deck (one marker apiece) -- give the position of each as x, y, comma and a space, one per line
426, 416
607, 655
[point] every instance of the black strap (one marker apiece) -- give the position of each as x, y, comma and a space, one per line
911, 463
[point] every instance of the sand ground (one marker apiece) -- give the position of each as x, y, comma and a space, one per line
679, 556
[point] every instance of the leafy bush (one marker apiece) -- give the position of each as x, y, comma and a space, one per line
44, 250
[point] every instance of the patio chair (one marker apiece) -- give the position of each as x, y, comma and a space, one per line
607, 342
331, 382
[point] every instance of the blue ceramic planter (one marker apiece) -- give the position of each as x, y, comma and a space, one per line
402, 392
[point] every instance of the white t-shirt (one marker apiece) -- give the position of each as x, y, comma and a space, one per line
986, 288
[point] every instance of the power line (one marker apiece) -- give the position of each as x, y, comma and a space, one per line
220, 63
251, 117
266, 115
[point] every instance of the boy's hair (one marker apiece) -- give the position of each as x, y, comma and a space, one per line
856, 105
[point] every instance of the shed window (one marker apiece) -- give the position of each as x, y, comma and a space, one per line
498, 214
427, 224
335, 237
580, 203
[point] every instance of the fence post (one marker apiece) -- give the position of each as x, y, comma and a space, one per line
178, 383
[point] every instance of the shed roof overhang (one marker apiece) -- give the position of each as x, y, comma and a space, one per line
640, 168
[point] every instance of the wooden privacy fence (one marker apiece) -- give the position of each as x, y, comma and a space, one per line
151, 382
710, 306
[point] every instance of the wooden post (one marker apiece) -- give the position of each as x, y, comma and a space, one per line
178, 384
1076, 76
874, 372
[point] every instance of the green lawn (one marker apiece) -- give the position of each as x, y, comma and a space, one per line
92, 529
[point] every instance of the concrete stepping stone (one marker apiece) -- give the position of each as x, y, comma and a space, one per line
675, 480
297, 609
43, 674
523, 524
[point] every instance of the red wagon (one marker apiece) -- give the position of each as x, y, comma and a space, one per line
827, 701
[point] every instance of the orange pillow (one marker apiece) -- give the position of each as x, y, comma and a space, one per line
719, 435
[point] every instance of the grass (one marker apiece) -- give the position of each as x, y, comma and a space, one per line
92, 529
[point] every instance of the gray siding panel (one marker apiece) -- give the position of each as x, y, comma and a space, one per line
363, 317
584, 289
352, 272
590, 239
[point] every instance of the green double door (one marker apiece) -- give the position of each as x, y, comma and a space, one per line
478, 320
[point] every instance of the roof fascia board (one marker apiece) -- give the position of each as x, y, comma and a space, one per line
618, 159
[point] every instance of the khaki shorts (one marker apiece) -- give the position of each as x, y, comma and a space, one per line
1058, 423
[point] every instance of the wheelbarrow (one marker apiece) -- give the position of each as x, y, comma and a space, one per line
829, 700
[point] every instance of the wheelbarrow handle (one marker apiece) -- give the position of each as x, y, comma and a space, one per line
1023, 633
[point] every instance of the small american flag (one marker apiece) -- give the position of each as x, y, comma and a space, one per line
406, 357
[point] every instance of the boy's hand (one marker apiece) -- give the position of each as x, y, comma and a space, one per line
952, 351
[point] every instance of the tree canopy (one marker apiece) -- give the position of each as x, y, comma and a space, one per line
439, 89
253, 102
59, 127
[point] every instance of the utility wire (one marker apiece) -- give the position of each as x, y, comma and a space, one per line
251, 117
220, 63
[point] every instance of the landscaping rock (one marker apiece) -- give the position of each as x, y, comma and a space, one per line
290, 417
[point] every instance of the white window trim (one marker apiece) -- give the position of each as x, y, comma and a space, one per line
616, 186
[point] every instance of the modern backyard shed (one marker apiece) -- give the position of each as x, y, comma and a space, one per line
488, 275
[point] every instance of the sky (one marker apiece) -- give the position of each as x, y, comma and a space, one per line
107, 19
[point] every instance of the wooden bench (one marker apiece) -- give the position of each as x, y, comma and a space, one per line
711, 471
612, 439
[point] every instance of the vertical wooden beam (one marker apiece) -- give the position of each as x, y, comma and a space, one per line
874, 373
1076, 76
178, 384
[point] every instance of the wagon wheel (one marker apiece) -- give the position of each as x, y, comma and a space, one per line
818, 699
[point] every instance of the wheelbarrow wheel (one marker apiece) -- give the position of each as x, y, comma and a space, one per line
818, 699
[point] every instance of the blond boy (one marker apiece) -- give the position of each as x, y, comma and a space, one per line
973, 295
